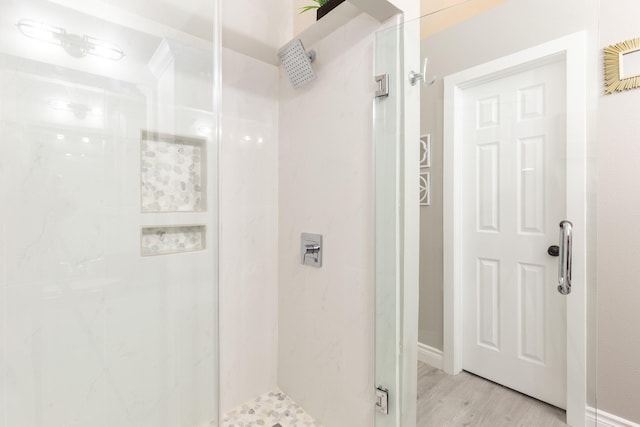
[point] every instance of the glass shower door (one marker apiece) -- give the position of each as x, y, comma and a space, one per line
108, 212
396, 220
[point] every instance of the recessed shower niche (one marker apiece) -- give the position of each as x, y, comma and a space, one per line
172, 173
165, 240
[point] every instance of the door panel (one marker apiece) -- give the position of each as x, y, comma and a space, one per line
514, 196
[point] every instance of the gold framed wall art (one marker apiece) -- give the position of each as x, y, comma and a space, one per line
616, 79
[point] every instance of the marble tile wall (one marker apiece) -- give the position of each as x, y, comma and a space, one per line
249, 229
326, 315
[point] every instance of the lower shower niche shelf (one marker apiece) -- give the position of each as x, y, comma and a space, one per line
167, 240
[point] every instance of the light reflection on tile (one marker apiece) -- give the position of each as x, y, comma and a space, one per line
270, 410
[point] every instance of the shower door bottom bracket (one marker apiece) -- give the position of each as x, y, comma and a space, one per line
382, 400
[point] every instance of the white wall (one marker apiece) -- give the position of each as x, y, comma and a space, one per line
302, 21
410, 8
257, 29
252, 32
326, 315
447, 15
269, 23
618, 231
248, 229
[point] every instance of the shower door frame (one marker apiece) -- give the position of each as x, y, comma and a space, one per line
571, 50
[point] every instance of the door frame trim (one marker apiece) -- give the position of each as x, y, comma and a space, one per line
572, 50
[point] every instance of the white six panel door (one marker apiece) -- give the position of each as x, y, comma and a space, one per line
514, 196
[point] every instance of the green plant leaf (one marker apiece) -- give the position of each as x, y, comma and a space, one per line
319, 3
308, 8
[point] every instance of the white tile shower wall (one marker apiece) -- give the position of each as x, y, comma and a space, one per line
249, 229
326, 315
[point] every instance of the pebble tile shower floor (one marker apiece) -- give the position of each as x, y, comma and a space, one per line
273, 409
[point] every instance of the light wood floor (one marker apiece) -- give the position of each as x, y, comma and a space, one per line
470, 401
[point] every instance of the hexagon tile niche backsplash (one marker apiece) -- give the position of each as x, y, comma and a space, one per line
172, 240
172, 172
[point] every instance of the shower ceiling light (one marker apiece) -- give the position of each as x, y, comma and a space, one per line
75, 45
78, 110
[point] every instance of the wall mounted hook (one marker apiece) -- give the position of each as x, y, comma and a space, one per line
416, 77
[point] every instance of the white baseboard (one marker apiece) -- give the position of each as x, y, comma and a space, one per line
598, 418
430, 356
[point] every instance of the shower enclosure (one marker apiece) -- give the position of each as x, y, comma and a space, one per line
125, 182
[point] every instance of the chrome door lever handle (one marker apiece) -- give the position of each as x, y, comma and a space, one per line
565, 262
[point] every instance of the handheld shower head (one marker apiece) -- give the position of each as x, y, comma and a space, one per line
297, 63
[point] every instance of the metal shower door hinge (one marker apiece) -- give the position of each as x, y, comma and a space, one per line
383, 85
382, 400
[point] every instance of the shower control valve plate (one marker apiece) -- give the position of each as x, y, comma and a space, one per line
311, 249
